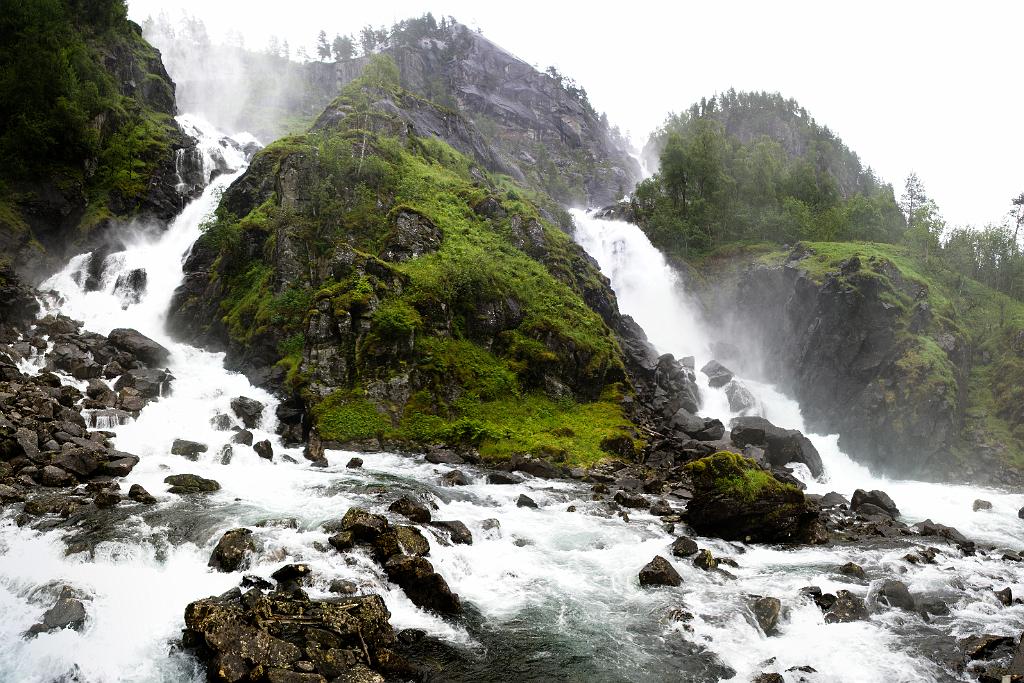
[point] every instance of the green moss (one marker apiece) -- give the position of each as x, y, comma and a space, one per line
396, 320
348, 416
736, 476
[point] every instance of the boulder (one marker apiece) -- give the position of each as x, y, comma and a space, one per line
659, 572
424, 587
981, 505
139, 345
736, 500
524, 501
877, 498
140, 495
67, 612
705, 560
222, 422
232, 550
188, 449
455, 478
740, 399
844, 608
930, 528
718, 375
1005, 597
503, 478
443, 456
82, 462
895, 594
685, 421
412, 540
767, 612
264, 449
629, 500
284, 637
411, 508
354, 463
248, 410
852, 569
713, 430
782, 446
106, 498
242, 437
458, 531
684, 547
190, 483
55, 477
833, 499
363, 525
120, 466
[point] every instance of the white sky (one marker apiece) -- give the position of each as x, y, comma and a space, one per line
934, 87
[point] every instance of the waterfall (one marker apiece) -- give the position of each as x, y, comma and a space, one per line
552, 593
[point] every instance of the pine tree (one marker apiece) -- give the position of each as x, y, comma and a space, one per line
323, 48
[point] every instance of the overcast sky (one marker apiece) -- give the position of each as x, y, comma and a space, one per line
934, 87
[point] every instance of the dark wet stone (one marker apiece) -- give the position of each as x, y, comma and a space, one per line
411, 508
354, 463
264, 449
852, 569
524, 501
458, 531
67, 612
842, 607
425, 587
248, 410
875, 497
767, 612
190, 483
232, 550
684, 547
705, 560
981, 505
895, 594
188, 449
412, 540
659, 572
140, 495
503, 478
1005, 597
242, 437
455, 478
106, 498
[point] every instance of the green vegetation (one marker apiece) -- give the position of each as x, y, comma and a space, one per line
471, 342
985, 327
725, 177
734, 476
64, 120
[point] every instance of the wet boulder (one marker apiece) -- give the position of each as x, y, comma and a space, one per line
930, 528
843, 607
852, 569
130, 286
895, 594
140, 495
659, 572
264, 449
781, 446
412, 540
980, 505
877, 498
684, 547
425, 587
524, 501
713, 430
455, 478
718, 375
503, 479
767, 612
411, 509
735, 499
354, 463
55, 477
444, 456
704, 560
221, 422
363, 525
183, 484
457, 531
67, 612
106, 498
188, 449
248, 410
232, 550
741, 401
242, 437
285, 637
139, 345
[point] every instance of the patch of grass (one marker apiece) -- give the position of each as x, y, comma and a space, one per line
348, 416
735, 476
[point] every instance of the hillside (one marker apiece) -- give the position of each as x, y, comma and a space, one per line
404, 294
546, 133
918, 368
87, 132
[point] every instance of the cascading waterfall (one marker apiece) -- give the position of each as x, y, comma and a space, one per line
552, 594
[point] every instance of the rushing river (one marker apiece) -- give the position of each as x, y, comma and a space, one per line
550, 594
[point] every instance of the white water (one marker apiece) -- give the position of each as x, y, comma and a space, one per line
551, 594
653, 293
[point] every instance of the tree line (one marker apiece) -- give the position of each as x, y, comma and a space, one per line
756, 167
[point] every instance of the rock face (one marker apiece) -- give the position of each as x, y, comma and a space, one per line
736, 500
277, 636
837, 342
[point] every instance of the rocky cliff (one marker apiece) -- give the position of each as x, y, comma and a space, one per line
89, 137
543, 129
895, 355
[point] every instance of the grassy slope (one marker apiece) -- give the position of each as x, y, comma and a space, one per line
498, 406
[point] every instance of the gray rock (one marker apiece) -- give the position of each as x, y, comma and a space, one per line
895, 594
659, 572
458, 531
190, 483
264, 449
766, 612
188, 449
139, 345
248, 410
718, 375
233, 550
67, 612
